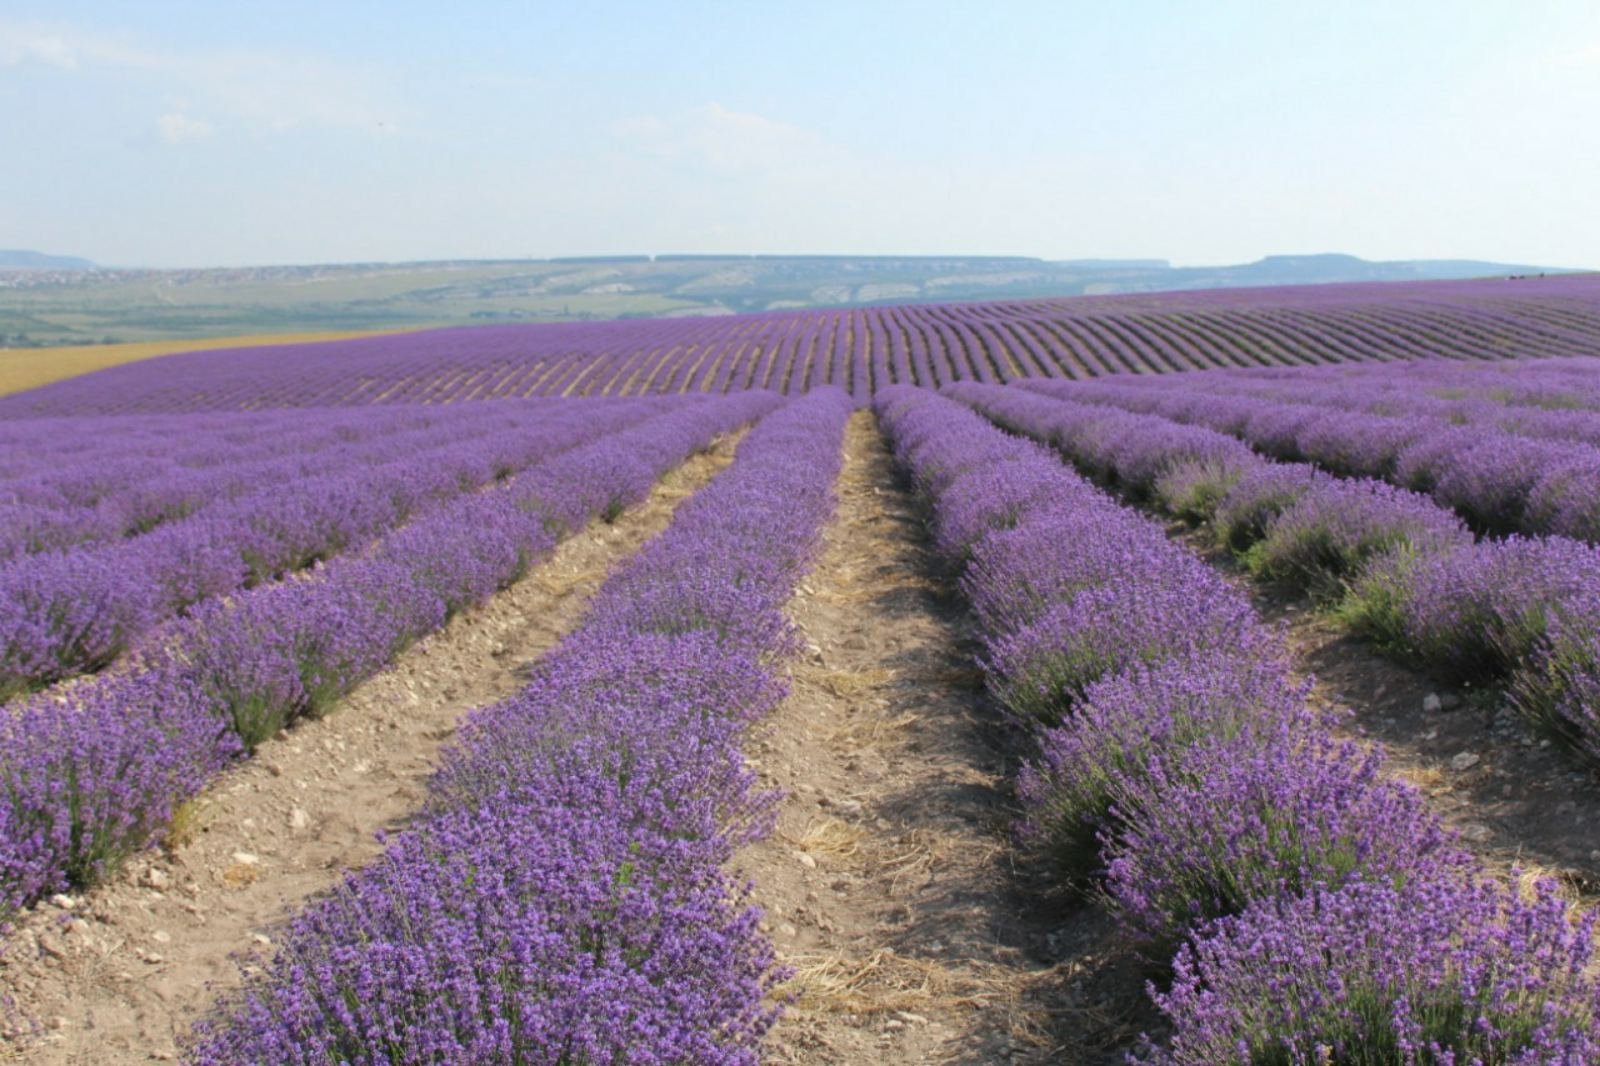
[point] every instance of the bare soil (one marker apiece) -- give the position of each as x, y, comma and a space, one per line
891, 887
1518, 799
119, 974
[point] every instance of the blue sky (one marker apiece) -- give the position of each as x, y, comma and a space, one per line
188, 134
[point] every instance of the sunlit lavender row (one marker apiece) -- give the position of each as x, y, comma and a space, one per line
1512, 453
596, 808
1303, 906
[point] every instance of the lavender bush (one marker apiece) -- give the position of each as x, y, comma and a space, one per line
1559, 687
1253, 504
1042, 670
93, 776
1127, 720
1429, 972
1328, 537
524, 929
1261, 815
1474, 614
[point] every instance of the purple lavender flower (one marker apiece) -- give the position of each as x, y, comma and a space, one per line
1329, 536
1255, 502
1147, 715
1228, 822
1043, 669
1475, 614
1428, 971
522, 930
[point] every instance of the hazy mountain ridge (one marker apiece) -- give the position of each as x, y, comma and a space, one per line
22, 259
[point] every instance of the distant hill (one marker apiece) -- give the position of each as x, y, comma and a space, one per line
1331, 267
19, 259
1115, 264
53, 300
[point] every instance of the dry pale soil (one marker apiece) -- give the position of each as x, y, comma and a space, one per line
891, 886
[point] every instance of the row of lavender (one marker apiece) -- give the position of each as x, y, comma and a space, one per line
76, 611
1550, 401
1306, 908
1504, 471
1523, 613
158, 443
129, 475
589, 818
863, 349
91, 773
1532, 388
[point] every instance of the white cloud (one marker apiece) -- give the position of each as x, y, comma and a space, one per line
270, 89
176, 128
19, 45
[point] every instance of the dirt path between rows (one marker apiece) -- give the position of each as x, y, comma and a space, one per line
889, 885
1515, 797
118, 975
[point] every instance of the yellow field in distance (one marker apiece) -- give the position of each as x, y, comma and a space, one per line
28, 368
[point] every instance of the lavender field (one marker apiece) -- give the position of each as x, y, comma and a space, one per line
863, 350
1200, 679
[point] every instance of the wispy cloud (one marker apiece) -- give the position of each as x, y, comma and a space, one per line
20, 45
176, 128
257, 87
